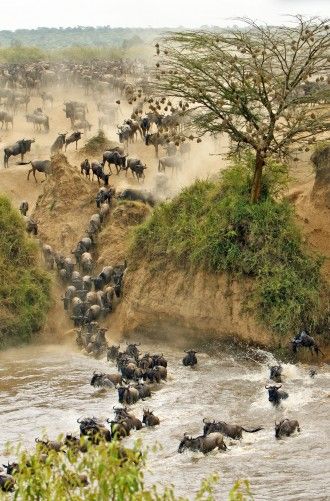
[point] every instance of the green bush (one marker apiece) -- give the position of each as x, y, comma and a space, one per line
24, 286
104, 472
213, 225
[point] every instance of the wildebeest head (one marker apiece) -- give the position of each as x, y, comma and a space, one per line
275, 373
209, 427
274, 395
184, 444
95, 378
121, 393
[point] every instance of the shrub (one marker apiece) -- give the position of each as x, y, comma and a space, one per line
106, 471
24, 286
213, 225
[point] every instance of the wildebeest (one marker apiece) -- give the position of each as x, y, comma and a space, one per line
84, 245
203, 443
102, 379
39, 120
43, 166
115, 158
86, 262
7, 482
6, 118
32, 226
85, 168
124, 133
275, 395
19, 148
156, 140
137, 195
143, 389
132, 350
97, 170
82, 124
306, 341
132, 421
47, 98
230, 430
286, 427
190, 359
73, 138
58, 143
128, 395
49, 445
94, 430
276, 373
104, 195
113, 352
24, 207
149, 419
137, 168
171, 162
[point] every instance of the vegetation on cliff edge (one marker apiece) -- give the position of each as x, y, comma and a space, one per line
214, 226
24, 286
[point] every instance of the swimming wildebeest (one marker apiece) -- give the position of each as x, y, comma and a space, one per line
19, 148
43, 166
203, 443
73, 138
109, 380
94, 430
276, 373
306, 341
128, 395
149, 419
58, 143
230, 430
286, 427
275, 395
190, 359
113, 352
7, 482
132, 421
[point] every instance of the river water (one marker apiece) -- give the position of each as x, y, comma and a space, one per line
46, 388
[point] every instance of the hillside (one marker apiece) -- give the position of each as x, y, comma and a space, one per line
24, 285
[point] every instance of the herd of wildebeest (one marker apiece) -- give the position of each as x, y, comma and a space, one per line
89, 296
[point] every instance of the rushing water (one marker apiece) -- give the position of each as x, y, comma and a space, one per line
46, 388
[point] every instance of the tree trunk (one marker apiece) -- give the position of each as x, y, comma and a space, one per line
256, 184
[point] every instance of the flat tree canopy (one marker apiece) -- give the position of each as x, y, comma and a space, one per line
266, 87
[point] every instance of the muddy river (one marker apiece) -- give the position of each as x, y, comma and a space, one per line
46, 388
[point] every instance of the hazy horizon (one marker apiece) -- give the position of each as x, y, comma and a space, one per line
19, 14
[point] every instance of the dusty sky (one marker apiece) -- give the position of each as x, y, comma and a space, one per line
17, 14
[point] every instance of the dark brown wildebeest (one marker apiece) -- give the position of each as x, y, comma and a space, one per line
58, 143
203, 443
275, 395
19, 148
149, 419
85, 168
73, 138
190, 359
43, 166
286, 427
109, 380
230, 430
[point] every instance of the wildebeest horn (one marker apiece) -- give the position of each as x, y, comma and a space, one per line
267, 386
79, 420
204, 420
185, 434
278, 386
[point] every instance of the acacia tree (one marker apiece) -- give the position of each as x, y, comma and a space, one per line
266, 87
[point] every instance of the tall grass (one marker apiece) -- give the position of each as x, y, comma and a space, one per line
213, 225
24, 286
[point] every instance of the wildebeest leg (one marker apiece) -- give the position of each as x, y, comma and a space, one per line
34, 174
28, 176
76, 145
22, 157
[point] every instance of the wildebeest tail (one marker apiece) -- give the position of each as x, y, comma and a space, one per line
253, 430
23, 163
